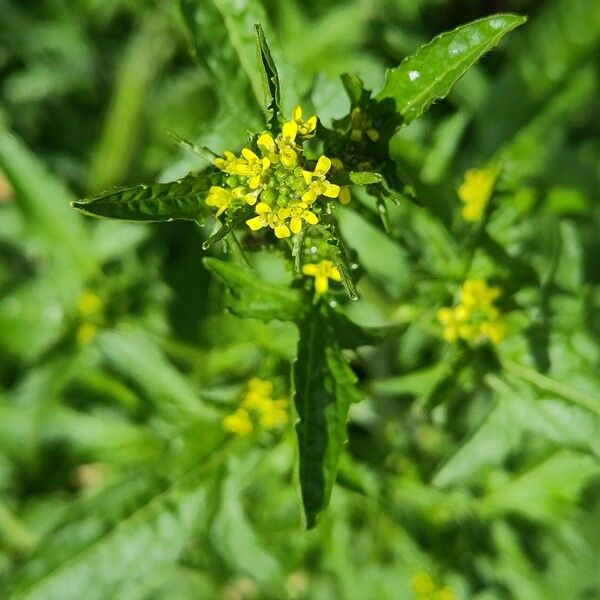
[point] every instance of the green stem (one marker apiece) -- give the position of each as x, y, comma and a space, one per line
548, 384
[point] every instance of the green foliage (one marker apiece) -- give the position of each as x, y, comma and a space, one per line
414, 372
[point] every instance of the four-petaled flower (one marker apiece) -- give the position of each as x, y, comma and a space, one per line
322, 272
299, 213
304, 127
317, 184
220, 198
267, 217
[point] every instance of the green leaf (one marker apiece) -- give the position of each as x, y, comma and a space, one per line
269, 78
324, 389
356, 178
233, 534
99, 567
544, 493
137, 358
430, 73
45, 202
249, 296
351, 335
182, 199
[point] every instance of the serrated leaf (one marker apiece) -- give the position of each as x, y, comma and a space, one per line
249, 296
269, 78
324, 389
430, 73
182, 199
351, 335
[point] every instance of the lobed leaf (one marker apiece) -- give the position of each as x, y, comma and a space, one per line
249, 296
430, 73
182, 199
324, 388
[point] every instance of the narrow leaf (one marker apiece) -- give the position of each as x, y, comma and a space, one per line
269, 78
324, 388
182, 199
436, 67
249, 296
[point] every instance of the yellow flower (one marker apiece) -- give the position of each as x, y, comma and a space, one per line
220, 198
89, 304
360, 124
317, 184
268, 218
298, 213
238, 422
474, 318
86, 332
257, 407
322, 272
227, 164
475, 292
425, 588
475, 192
252, 167
304, 127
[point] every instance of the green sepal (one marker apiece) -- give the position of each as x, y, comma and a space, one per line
182, 199
250, 297
324, 388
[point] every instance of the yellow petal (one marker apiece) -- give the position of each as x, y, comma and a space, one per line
334, 274
309, 269
265, 141
331, 190
295, 224
262, 208
321, 284
307, 176
310, 217
297, 113
249, 155
254, 182
284, 213
309, 196
323, 165
289, 130
310, 124
282, 231
255, 223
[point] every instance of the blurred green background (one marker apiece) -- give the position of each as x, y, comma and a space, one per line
467, 475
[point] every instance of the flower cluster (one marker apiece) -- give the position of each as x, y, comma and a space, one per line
475, 192
275, 178
474, 318
257, 409
425, 588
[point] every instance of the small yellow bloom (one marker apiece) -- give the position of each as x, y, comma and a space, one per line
360, 124
322, 272
228, 163
269, 218
89, 304
298, 213
422, 584
304, 127
220, 198
317, 184
474, 318
475, 192
238, 422
86, 332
